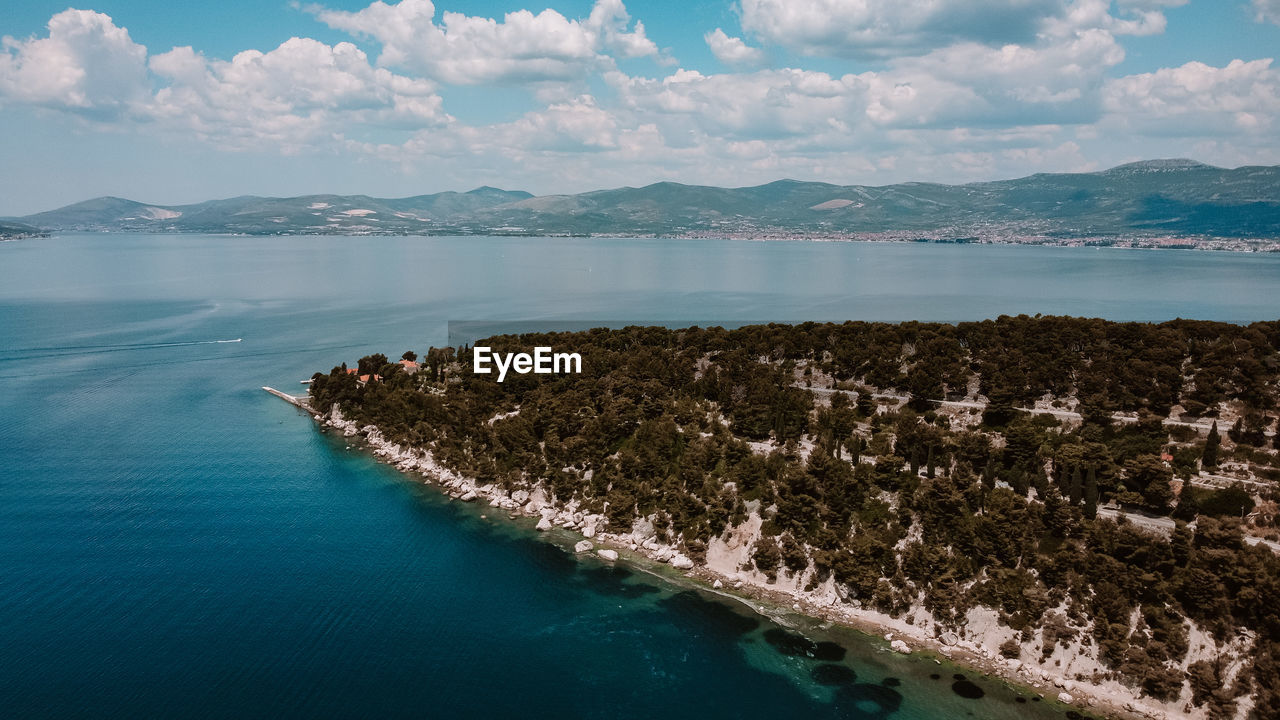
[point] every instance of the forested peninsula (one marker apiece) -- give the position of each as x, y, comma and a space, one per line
1071, 502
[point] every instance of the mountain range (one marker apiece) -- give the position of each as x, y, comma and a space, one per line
1180, 198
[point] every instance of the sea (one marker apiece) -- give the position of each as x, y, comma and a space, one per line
177, 543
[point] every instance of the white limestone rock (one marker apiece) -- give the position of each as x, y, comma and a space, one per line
468, 496
1065, 698
583, 546
543, 525
900, 646
610, 555
680, 562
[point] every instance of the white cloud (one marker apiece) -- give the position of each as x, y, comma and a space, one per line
1267, 10
300, 93
871, 28
86, 64
738, 106
732, 50
293, 95
945, 101
898, 28
523, 47
1198, 99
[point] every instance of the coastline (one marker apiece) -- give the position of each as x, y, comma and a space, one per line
721, 575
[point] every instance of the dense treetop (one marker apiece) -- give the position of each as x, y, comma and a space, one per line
903, 503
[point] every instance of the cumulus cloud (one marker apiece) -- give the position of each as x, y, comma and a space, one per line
732, 50
766, 104
1198, 99
896, 28
946, 98
302, 92
879, 28
522, 47
289, 96
86, 65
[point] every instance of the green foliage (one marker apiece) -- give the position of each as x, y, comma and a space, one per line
693, 429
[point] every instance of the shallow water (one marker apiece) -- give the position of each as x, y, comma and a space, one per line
175, 542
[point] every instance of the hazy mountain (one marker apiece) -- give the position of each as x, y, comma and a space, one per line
1173, 197
10, 230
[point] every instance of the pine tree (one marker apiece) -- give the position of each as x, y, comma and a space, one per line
1209, 459
1236, 433
1077, 487
1041, 483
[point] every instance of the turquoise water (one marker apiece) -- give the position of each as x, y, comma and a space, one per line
174, 542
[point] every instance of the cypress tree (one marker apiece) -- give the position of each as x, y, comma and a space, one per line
928, 464
1077, 487
989, 476
1091, 494
1209, 459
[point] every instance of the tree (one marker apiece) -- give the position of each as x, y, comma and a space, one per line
1209, 458
409, 355
1146, 474
1076, 492
372, 364
1091, 494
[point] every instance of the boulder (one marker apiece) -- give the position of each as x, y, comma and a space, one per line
900, 646
583, 546
681, 562
1065, 698
468, 496
717, 585
520, 496
589, 531
543, 525
949, 638
609, 555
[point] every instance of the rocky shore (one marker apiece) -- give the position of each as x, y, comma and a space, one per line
1071, 675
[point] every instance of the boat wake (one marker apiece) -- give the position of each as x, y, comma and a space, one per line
62, 350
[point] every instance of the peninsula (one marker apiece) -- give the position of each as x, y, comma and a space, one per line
1081, 506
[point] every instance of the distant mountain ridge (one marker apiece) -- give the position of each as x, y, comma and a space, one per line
1174, 197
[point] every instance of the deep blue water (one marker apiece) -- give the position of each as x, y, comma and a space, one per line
176, 543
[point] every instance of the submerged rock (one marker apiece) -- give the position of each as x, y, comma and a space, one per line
583, 546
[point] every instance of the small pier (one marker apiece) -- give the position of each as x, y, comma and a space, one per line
298, 402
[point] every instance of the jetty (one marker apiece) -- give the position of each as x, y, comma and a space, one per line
302, 403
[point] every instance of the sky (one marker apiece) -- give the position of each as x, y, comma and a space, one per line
171, 103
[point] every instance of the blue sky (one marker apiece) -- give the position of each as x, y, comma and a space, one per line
170, 103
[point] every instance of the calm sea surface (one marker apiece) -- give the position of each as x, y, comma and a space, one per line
176, 543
